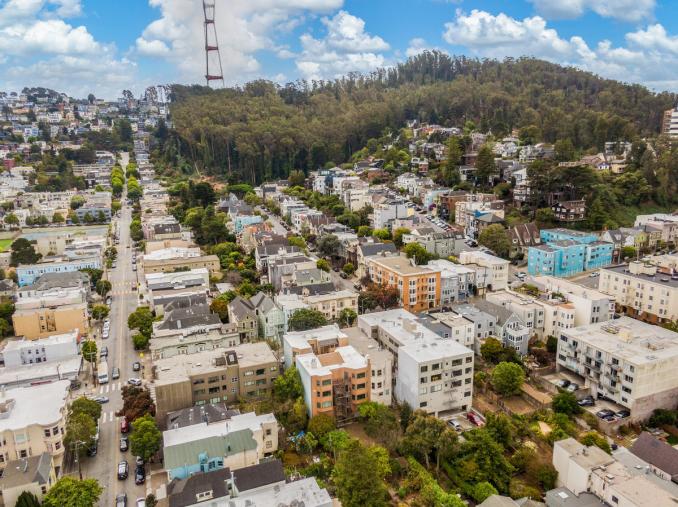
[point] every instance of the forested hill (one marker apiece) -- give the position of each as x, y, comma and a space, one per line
262, 130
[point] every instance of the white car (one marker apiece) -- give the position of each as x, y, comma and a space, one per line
105, 334
134, 382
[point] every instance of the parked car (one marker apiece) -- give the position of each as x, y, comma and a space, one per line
623, 414
586, 402
123, 470
121, 500
475, 420
93, 449
139, 475
101, 399
594, 275
105, 334
115, 373
136, 366
454, 424
141, 502
134, 382
104, 352
563, 383
604, 413
109, 300
572, 387
124, 425
124, 443
139, 461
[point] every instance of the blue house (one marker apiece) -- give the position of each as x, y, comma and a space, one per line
28, 273
566, 253
240, 441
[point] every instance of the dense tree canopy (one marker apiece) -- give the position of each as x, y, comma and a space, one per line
264, 131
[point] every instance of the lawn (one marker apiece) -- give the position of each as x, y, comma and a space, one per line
4, 244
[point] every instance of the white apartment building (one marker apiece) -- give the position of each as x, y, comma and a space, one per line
461, 330
53, 348
384, 213
32, 421
593, 476
432, 373
456, 280
530, 312
641, 291
495, 274
355, 194
590, 305
633, 363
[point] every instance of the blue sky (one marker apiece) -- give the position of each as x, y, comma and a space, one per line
104, 46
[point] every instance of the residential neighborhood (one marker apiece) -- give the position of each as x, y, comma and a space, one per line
433, 321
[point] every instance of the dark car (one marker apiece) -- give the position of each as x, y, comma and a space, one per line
623, 414
123, 470
124, 444
605, 413
136, 366
115, 373
93, 450
586, 402
139, 475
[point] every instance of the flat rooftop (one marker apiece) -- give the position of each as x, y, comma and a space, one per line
663, 279
172, 253
401, 265
630, 339
553, 284
365, 345
318, 298
300, 339
202, 430
413, 337
41, 404
323, 364
26, 373
182, 366
56, 339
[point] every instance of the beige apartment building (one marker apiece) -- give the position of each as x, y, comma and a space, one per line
32, 421
42, 322
641, 291
332, 303
172, 259
628, 361
214, 376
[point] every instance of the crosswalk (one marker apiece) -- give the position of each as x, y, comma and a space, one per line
108, 417
122, 292
112, 387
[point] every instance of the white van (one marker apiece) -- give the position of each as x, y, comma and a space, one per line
102, 372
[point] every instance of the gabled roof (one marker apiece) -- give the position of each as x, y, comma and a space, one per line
182, 493
657, 453
502, 314
241, 308
263, 302
368, 249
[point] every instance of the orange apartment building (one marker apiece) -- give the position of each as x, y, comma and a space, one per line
419, 286
335, 383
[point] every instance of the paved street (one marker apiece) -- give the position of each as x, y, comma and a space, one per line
121, 354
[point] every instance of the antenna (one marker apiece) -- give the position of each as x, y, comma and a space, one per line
211, 44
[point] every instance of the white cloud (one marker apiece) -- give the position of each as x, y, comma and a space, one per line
51, 36
39, 48
650, 56
345, 48
244, 27
625, 10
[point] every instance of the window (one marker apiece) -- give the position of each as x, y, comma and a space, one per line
435, 389
249, 373
423, 404
261, 371
423, 380
47, 433
423, 369
327, 382
435, 378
